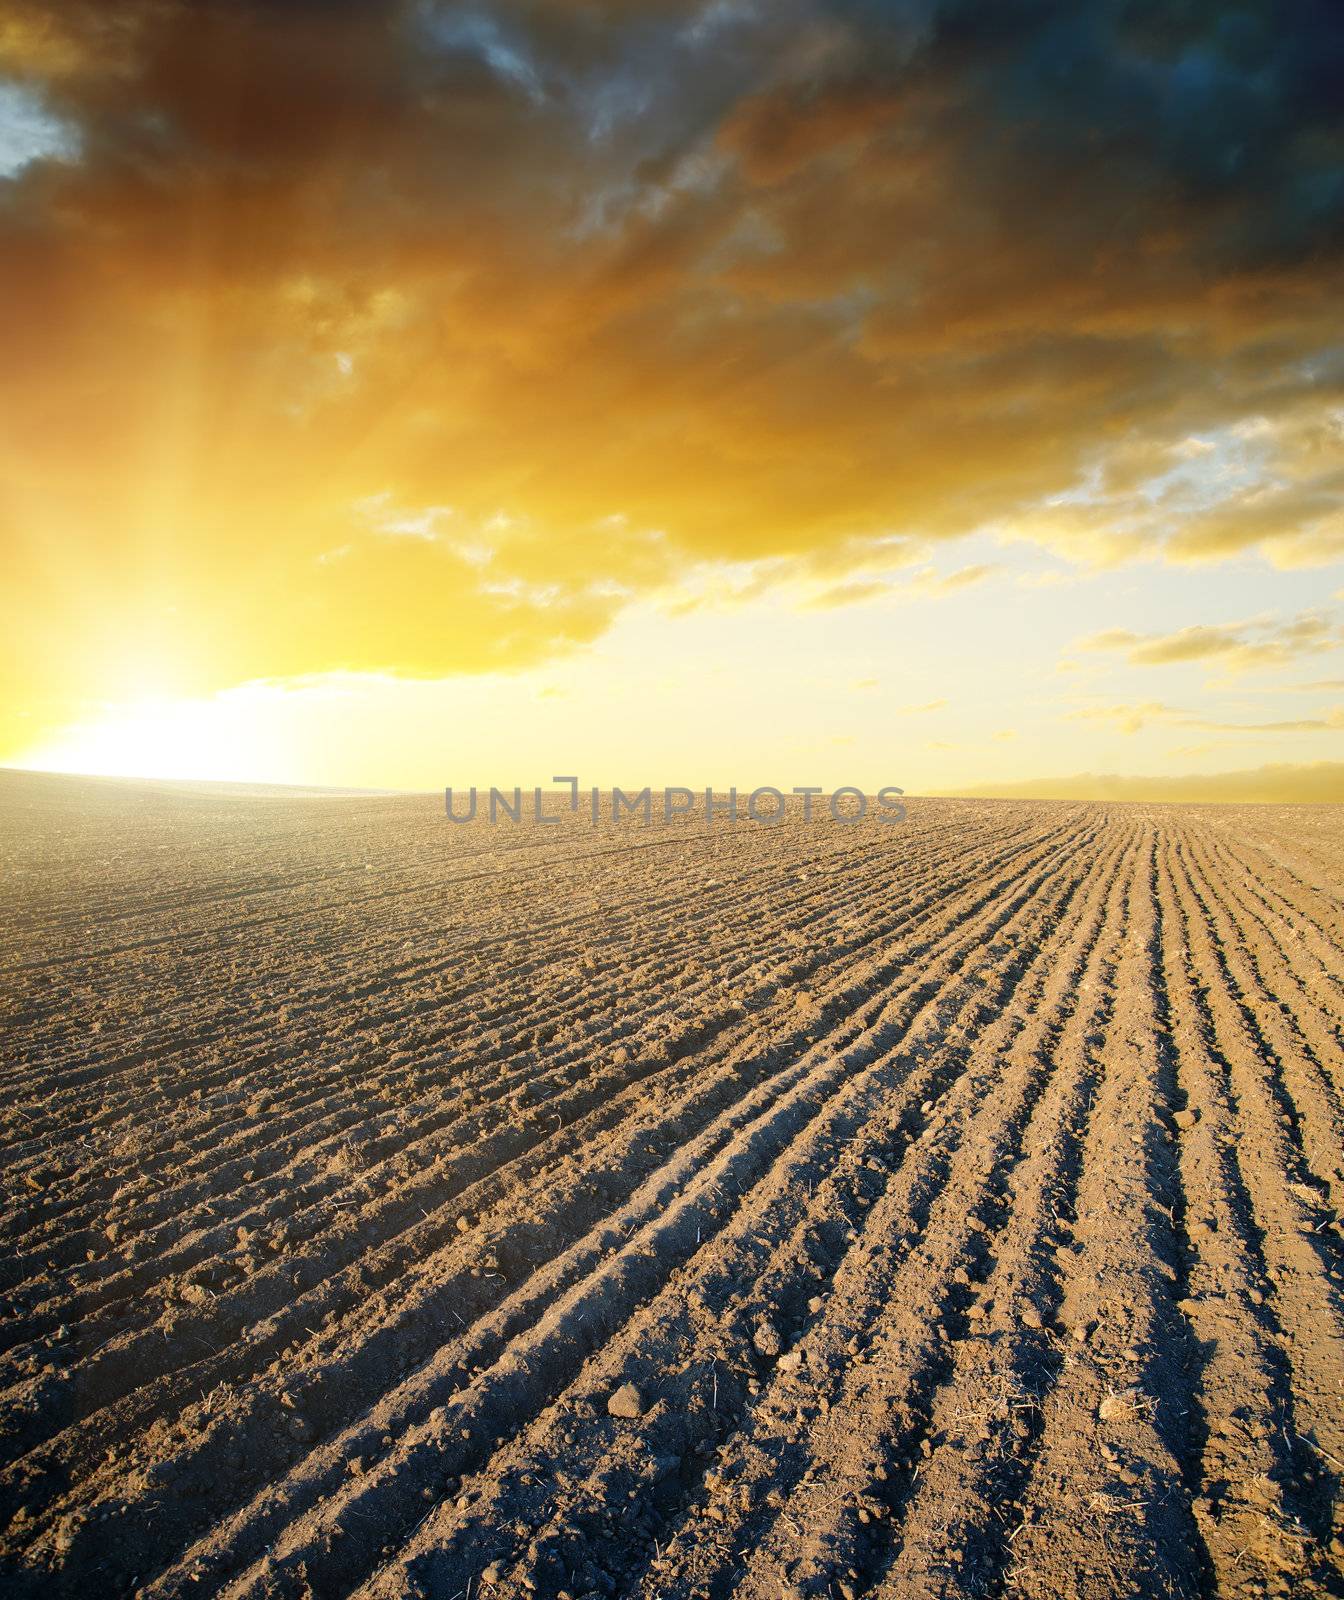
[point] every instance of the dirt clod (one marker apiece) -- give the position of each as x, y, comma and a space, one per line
626, 1402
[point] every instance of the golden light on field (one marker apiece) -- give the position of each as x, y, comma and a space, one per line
671, 799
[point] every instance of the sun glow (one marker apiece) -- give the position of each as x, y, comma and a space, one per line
160, 736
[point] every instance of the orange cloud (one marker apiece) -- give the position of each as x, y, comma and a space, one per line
1133, 718
631, 288
1234, 646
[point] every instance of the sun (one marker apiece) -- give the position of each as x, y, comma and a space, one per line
217, 737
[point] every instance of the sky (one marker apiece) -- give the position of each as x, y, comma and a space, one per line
399, 393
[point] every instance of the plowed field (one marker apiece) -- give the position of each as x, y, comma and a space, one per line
400, 1209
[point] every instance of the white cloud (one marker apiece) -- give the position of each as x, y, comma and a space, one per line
29, 132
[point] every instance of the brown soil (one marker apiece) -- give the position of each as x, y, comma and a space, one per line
399, 1209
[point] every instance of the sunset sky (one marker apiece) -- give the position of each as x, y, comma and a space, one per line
796, 391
